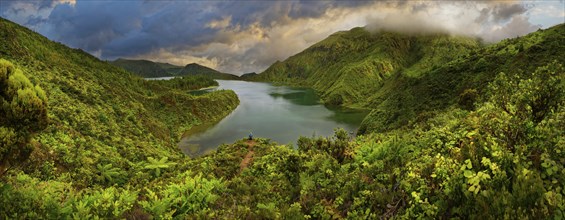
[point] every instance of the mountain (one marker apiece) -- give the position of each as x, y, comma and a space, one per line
197, 69
91, 101
404, 99
247, 76
472, 131
67, 113
349, 66
401, 78
172, 69
150, 69
144, 68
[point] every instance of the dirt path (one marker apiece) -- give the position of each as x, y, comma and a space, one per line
249, 156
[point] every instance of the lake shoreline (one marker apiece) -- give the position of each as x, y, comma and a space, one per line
280, 113
206, 88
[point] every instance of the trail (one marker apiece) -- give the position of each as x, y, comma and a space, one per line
249, 156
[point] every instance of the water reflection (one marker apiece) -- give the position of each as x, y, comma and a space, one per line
276, 112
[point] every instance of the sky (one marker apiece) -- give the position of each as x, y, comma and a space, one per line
248, 36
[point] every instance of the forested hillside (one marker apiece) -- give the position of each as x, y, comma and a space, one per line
406, 78
462, 81
457, 131
349, 66
150, 69
476, 135
86, 125
196, 69
146, 68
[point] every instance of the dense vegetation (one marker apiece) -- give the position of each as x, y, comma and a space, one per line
84, 125
349, 66
404, 99
144, 68
405, 78
247, 76
149, 69
491, 147
183, 83
196, 69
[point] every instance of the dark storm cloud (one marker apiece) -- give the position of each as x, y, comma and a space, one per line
126, 28
245, 36
92, 25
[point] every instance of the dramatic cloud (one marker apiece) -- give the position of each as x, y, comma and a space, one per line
30, 13
245, 36
491, 21
518, 26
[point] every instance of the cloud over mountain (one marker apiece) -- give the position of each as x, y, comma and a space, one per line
235, 36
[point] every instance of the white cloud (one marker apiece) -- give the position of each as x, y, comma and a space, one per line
70, 2
518, 26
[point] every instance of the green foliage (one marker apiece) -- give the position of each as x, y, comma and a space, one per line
144, 68
109, 174
22, 197
156, 165
405, 100
149, 69
94, 138
23, 107
192, 196
194, 69
185, 83
336, 148
468, 98
348, 67
105, 203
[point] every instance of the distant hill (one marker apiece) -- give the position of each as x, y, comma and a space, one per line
248, 75
150, 69
144, 68
197, 69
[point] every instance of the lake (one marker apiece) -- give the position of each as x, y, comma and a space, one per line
279, 113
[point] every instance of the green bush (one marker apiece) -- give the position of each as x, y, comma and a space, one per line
23, 107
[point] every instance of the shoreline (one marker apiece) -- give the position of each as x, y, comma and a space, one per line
205, 88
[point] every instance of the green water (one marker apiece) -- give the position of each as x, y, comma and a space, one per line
277, 112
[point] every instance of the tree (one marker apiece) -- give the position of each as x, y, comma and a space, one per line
23, 111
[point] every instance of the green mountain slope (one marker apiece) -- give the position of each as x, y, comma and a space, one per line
172, 69
149, 69
144, 68
101, 114
247, 76
196, 69
405, 99
349, 66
